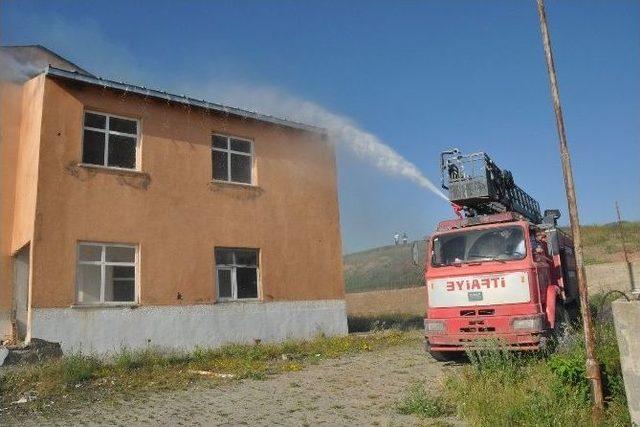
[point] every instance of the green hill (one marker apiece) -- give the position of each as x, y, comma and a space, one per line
602, 242
386, 267
391, 267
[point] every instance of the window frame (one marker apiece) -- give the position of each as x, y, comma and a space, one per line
106, 131
234, 277
229, 151
103, 263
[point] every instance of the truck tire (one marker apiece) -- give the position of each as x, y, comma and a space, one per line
573, 312
561, 327
445, 356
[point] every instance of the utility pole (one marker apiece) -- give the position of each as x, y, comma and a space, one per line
624, 249
593, 370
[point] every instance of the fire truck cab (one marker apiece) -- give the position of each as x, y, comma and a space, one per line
501, 271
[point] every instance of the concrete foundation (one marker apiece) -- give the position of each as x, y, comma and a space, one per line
104, 330
626, 316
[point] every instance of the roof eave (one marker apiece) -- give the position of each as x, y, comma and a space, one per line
140, 90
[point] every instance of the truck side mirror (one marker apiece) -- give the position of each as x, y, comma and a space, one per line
415, 254
551, 216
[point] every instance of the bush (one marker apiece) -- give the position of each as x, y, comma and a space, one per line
570, 374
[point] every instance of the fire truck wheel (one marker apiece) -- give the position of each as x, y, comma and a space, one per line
445, 356
573, 312
561, 324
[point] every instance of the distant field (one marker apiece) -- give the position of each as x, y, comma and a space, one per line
602, 242
386, 267
390, 267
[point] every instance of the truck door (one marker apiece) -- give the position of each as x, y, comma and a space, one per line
542, 262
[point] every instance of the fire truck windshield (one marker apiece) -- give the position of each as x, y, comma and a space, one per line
478, 245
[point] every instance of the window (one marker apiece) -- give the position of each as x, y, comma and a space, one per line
236, 273
232, 159
503, 244
109, 141
106, 273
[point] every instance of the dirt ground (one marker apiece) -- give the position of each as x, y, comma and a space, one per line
360, 389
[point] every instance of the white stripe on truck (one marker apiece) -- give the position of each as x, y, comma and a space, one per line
481, 289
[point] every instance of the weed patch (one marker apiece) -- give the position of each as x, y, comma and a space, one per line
78, 378
78, 368
419, 402
505, 388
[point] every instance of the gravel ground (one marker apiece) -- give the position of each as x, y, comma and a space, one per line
355, 390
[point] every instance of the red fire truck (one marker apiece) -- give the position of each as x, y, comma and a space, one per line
501, 270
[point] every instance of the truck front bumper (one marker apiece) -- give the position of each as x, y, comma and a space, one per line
528, 341
459, 334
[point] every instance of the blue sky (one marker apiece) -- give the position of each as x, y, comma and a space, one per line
423, 76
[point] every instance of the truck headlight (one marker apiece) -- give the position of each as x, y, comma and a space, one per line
433, 326
529, 323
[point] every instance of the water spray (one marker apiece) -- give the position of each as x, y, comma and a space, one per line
342, 130
17, 71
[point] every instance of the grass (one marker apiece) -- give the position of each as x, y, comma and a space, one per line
401, 322
78, 378
534, 390
504, 388
602, 242
418, 402
391, 267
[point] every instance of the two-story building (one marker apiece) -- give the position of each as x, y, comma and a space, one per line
131, 217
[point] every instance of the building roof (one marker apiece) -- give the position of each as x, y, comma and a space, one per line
37, 54
181, 99
59, 67
90, 79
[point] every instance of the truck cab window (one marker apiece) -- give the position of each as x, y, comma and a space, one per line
501, 243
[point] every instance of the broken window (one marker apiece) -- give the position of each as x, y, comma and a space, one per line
106, 273
232, 159
109, 141
236, 273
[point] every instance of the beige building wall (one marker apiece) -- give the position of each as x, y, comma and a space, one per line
26, 184
176, 215
20, 120
10, 111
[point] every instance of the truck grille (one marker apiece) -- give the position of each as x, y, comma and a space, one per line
480, 329
482, 312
